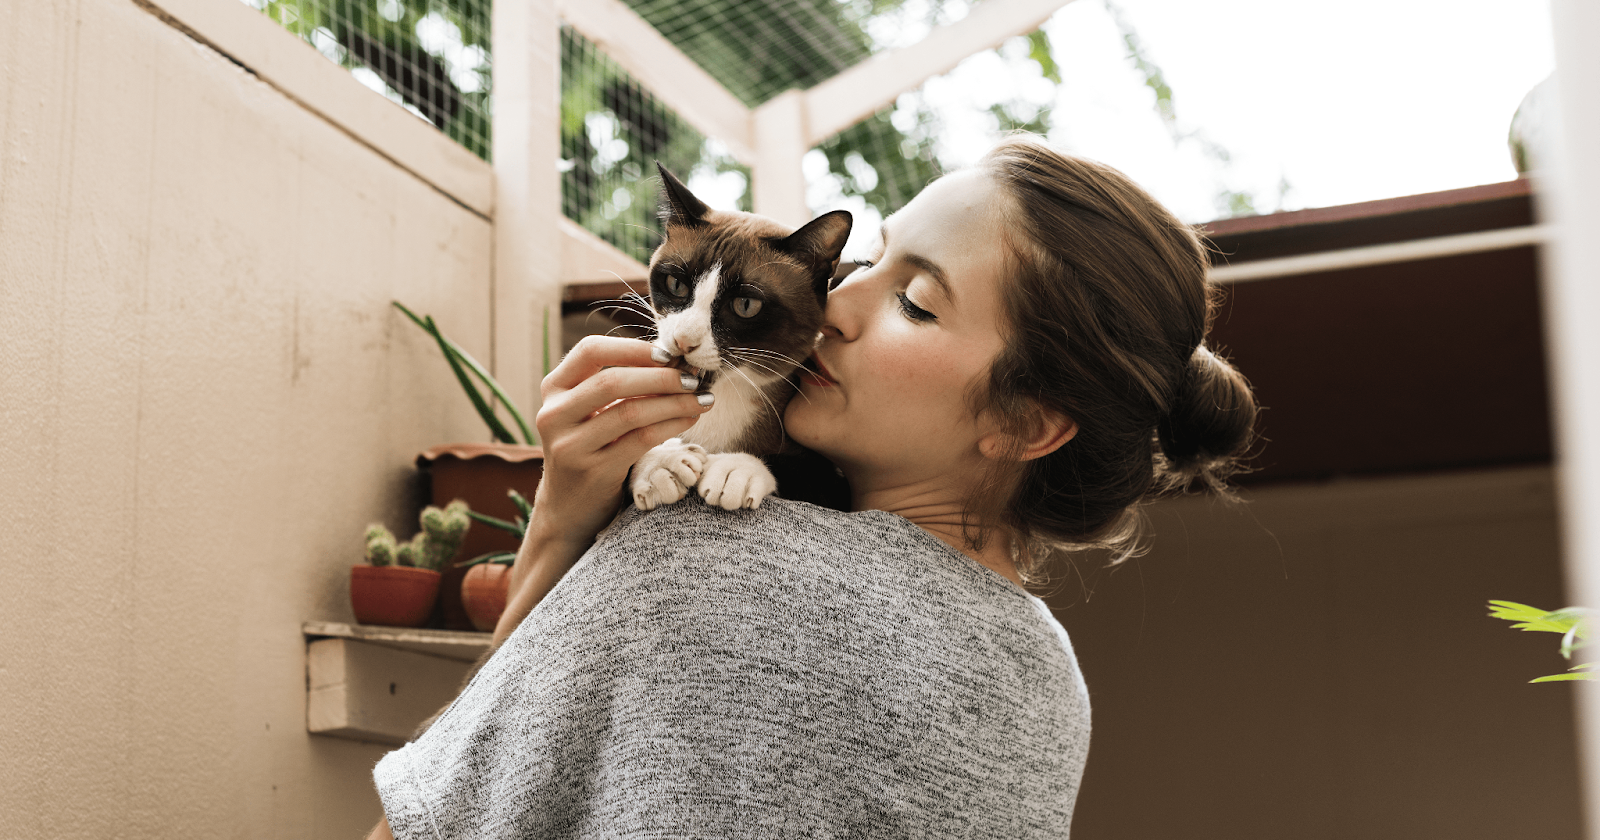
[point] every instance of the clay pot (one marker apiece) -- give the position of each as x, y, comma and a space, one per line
397, 596
483, 593
479, 474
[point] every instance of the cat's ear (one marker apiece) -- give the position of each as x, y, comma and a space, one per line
818, 244
678, 205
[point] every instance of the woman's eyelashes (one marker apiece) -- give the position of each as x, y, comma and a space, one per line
913, 311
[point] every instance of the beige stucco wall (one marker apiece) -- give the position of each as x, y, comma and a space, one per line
204, 396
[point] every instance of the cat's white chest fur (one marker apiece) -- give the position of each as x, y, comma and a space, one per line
739, 404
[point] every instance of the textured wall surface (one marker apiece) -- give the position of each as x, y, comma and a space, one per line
204, 397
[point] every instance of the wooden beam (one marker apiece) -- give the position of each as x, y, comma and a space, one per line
527, 201
857, 93
1393, 252
670, 76
368, 692
778, 188
295, 69
586, 258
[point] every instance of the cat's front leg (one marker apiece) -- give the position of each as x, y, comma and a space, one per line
665, 473
734, 480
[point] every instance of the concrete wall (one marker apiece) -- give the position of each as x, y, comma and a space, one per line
204, 397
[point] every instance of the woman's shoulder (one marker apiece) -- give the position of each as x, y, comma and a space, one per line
862, 561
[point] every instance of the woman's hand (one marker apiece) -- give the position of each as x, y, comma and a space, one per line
605, 405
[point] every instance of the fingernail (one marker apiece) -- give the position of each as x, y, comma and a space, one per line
707, 398
660, 355
688, 382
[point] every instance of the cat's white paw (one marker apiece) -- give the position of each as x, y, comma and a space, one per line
734, 480
665, 473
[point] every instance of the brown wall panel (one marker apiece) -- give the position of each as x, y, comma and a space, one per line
1416, 366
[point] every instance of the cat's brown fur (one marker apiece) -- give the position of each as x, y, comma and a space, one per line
738, 299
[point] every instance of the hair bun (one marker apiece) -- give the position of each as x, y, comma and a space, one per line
1211, 424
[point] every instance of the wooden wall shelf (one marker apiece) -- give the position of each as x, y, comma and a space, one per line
377, 684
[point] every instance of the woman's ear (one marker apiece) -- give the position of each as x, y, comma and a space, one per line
1047, 432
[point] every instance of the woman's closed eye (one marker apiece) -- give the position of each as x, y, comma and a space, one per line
913, 311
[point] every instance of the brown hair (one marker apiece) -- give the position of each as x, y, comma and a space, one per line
1106, 307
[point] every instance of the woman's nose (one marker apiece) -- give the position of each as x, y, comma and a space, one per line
841, 314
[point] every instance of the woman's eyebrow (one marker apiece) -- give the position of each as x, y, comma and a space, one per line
941, 280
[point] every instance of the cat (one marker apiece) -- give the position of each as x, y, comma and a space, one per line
738, 302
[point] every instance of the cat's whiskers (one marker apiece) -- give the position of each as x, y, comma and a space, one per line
776, 414
771, 354
753, 363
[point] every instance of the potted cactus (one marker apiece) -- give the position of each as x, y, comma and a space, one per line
480, 473
400, 582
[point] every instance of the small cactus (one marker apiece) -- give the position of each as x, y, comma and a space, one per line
441, 536
381, 548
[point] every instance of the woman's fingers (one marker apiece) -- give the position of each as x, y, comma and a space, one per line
631, 422
595, 353
604, 388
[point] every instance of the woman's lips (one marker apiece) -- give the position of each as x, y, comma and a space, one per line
816, 373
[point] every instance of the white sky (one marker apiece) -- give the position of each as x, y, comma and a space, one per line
1348, 102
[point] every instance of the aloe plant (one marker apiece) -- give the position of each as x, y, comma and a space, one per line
518, 526
462, 363
1571, 622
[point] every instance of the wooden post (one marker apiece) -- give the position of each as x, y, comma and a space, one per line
779, 191
527, 204
1572, 313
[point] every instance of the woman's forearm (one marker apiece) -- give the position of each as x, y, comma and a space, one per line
542, 560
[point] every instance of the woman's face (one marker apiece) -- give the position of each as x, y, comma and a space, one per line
905, 339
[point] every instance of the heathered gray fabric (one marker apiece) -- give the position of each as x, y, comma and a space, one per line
786, 672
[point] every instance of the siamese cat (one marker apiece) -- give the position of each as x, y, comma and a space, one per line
738, 302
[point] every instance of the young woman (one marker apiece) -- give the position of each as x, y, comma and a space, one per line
1019, 365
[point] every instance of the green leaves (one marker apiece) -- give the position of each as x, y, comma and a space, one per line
1571, 622
1039, 51
461, 362
518, 526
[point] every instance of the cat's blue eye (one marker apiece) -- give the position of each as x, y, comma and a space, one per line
746, 307
913, 311
676, 287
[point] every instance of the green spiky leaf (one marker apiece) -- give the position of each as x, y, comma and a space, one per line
504, 558
461, 361
496, 522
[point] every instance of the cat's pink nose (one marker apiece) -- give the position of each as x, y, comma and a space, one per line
686, 350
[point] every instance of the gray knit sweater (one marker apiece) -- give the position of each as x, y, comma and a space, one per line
786, 672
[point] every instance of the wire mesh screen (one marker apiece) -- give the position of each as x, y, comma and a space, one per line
430, 56
613, 130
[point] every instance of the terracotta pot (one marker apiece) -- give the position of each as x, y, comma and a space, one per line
479, 474
397, 596
483, 593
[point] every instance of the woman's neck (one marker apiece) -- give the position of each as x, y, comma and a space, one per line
939, 512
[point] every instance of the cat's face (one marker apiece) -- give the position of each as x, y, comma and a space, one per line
739, 292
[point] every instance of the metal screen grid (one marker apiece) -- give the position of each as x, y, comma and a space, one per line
613, 130
430, 56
